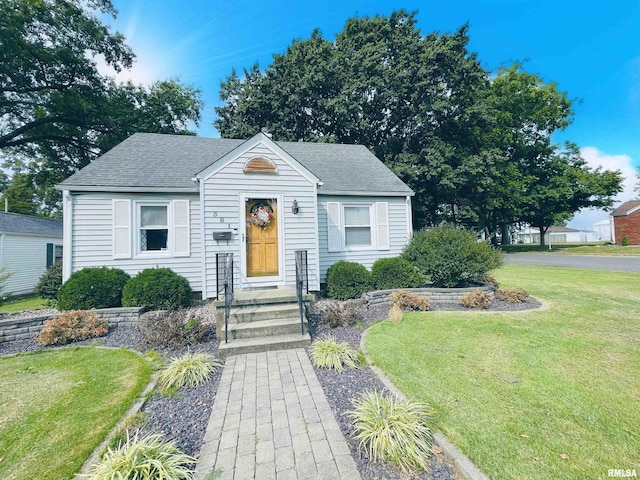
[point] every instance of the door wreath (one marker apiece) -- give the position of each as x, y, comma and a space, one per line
261, 215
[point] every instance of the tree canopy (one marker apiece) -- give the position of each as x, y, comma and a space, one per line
472, 144
57, 111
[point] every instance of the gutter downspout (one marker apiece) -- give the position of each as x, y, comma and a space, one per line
203, 240
67, 228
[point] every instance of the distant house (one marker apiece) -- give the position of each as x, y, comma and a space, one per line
182, 202
604, 229
626, 222
557, 234
27, 246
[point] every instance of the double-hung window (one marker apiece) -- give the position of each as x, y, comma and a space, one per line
154, 228
357, 226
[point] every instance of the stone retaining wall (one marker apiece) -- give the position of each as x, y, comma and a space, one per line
19, 328
439, 295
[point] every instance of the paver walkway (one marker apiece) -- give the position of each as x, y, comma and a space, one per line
271, 419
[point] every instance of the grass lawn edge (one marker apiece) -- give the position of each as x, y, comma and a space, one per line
464, 465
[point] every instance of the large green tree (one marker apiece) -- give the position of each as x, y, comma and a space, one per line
57, 111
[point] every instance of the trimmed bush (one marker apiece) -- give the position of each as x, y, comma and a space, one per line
173, 330
157, 289
144, 458
72, 326
340, 313
410, 301
452, 256
347, 280
390, 273
476, 299
98, 287
50, 282
189, 370
393, 430
625, 242
512, 295
329, 353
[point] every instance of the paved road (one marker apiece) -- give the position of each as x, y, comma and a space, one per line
616, 264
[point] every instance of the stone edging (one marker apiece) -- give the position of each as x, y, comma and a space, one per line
461, 461
440, 295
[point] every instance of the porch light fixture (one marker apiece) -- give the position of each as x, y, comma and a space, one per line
294, 207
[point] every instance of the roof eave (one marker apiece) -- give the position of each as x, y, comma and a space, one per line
126, 189
365, 193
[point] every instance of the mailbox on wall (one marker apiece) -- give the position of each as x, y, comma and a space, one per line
223, 235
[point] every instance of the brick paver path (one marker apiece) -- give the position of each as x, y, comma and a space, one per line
271, 419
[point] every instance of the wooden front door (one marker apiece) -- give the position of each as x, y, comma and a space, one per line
262, 238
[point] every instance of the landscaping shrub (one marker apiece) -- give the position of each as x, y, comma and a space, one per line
512, 295
393, 430
625, 242
157, 289
72, 326
4, 276
492, 281
173, 329
347, 280
97, 287
329, 353
50, 282
390, 273
476, 299
451, 256
189, 370
410, 301
340, 313
145, 458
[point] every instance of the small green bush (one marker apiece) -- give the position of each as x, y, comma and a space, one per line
410, 301
392, 430
144, 458
390, 273
4, 276
189, 370
347, 280
173, 329
451, 256
157, 289
329, 353
50, 282
512, 295
98, 287
72, 326
625, 242
338, 313
476, 299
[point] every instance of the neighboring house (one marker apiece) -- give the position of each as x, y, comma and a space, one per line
604, 229
557, 234
27, 246
177, 201
626, 222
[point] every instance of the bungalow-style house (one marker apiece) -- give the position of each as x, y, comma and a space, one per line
177, 201
626, 222
28, 245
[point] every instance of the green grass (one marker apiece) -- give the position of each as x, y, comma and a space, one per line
56, 406
23, 303
517, 391
613, 250
535, 247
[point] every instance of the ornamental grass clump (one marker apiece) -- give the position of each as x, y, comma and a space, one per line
476, 299
144, 458
338, 313
329, 353
392, 430
512, 295
189, 370
72, 326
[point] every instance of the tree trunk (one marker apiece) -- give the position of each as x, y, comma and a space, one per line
506, 234
543, 231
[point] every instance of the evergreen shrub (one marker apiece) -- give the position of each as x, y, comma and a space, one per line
89, 288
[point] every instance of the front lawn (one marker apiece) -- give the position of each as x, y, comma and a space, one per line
613, 250
56, 406
544, 394
24, 303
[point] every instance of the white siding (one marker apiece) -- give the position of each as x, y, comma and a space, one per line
398, 232
92, 237
25, 257
222, 197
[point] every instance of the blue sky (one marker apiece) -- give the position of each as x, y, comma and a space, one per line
591, 49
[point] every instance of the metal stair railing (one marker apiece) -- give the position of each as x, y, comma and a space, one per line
302, 282
224, 275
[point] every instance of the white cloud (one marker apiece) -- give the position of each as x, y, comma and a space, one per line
585, 218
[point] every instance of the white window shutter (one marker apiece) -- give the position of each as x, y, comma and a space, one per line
181, 231
334, 234
122, 229
382, 225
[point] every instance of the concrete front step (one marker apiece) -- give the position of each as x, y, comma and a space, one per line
263, 344
253, 313
263, 328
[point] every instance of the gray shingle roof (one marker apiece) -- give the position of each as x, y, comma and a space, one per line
17, 223
169, 162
